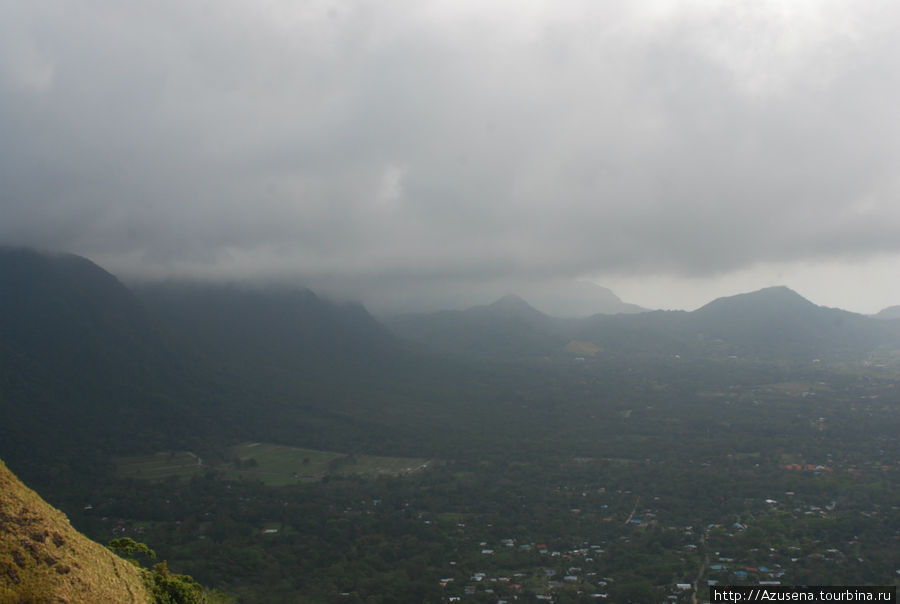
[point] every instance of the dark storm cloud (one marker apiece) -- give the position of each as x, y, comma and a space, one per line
384, 147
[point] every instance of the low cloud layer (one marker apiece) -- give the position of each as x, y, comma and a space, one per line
405, 152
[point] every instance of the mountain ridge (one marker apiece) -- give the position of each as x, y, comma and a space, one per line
774, 322
87, 360
79, 354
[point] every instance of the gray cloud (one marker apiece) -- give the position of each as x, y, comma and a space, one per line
453, 148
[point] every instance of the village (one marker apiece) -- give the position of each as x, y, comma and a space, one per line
781, 484
715, 553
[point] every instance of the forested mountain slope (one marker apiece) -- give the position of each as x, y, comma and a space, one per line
83, 367
89, 369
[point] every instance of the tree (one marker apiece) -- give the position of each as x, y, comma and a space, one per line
129, 549
169, 588
164, 586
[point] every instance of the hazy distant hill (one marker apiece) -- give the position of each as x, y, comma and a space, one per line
579, 299
891, 312
779, 321
509, 328
43, 559
653, 333
775, 323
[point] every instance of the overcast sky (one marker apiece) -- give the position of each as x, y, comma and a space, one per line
425, 154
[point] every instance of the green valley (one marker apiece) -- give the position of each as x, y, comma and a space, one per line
279, 447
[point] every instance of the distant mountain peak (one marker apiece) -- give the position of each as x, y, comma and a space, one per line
579, 298
512, 302
778, 296
778, 290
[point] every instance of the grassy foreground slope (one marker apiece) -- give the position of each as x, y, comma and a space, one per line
42, 558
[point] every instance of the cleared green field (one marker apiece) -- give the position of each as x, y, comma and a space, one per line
280, 465
160, 466
273, 465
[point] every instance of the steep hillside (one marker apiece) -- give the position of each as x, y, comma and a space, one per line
88, 370
74, 320
42, 558
293, 367
83, 367
272, 327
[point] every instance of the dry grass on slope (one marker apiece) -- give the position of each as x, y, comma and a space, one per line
44, 559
